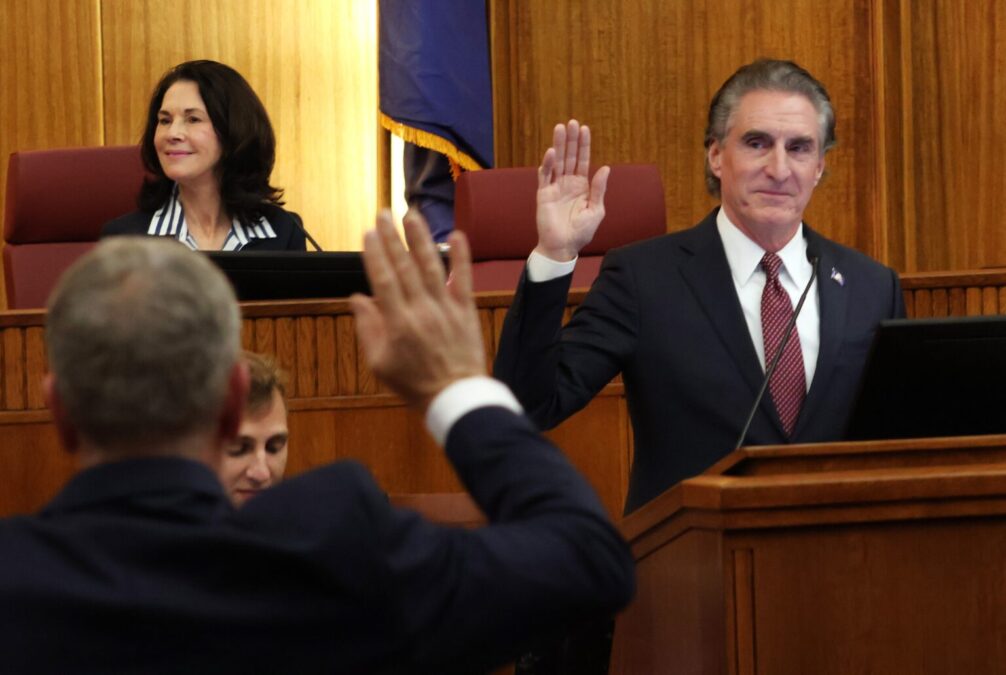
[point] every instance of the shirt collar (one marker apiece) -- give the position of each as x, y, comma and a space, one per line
744, 255
169, 220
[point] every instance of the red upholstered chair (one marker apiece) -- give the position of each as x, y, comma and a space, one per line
495, 208
56, 203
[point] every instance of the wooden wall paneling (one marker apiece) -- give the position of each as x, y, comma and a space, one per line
957, 58
307, 356
990, 301
328, 383
248, 335
313, 437
941, 302
35, 367
957, 302
909, 297
13, 369
347, 371
265, 336
923, 304
50, 79
312, 62
894, 159
696, 580
641, 73
35, 466
286, 351
390, 440
594, 442
910, 565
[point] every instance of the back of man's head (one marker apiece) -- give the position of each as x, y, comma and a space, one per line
142, 335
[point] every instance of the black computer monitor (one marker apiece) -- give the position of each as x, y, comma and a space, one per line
290, 275
933, 377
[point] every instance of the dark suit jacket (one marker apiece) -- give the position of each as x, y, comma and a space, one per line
665, 313
289, 237
142, 566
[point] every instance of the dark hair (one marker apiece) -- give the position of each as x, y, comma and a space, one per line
766, 75
266, 377
247, 142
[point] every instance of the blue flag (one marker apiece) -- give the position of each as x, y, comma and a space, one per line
435, 84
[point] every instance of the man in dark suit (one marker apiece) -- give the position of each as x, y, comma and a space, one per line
141, 564
690, 318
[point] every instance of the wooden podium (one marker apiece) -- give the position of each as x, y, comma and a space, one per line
871, 557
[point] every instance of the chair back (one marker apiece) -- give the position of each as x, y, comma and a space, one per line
56, 203
495, 208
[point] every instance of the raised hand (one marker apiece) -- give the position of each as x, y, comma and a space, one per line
570, 207
418, 334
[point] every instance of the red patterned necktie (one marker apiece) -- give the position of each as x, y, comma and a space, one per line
788, 385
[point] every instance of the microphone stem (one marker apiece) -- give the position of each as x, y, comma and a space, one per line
778, 355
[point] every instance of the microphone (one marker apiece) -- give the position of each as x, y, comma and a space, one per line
813, 258
300, 226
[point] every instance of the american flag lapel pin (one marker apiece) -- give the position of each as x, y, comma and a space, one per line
837, 277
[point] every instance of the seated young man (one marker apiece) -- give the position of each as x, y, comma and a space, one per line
257, 459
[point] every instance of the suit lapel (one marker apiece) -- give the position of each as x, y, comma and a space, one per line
707, 273
832, 298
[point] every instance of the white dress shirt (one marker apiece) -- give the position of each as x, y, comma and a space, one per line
462, 397
744, 258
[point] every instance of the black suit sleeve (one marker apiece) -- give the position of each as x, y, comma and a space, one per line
470, 599
555, 371
438, 599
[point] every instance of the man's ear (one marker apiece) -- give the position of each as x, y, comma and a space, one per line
234, 403
67, 432
714, 155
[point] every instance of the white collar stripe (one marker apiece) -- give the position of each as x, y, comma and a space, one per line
157, 222
238, 231
232, 243
267, 226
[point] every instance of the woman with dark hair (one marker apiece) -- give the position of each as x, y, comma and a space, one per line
209, 149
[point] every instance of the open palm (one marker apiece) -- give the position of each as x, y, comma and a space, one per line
570, 206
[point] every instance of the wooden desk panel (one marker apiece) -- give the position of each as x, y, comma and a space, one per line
338, 410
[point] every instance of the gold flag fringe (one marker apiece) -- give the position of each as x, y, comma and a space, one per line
459, 160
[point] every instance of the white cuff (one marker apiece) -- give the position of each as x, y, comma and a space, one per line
542, 268
462, 397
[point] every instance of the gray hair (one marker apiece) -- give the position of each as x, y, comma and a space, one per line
766, 75
142, 336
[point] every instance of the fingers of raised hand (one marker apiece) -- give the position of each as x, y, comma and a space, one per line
583, 158
572, 144
547, 168
408, 279
598, 186
559, 146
